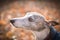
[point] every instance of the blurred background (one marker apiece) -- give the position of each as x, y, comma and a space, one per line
18, 8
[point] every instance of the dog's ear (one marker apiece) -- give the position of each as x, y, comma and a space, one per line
53, 23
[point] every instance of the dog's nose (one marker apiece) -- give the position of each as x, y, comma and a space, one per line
12, 21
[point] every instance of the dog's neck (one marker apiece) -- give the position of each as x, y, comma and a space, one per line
49, 36
52, 34
46, 34
42, 34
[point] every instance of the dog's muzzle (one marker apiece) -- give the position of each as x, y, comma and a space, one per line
12, 21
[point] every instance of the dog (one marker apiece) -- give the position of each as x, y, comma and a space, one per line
36, 22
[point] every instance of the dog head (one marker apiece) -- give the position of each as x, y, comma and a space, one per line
32, 21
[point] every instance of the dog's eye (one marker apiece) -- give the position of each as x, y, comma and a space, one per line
30, 19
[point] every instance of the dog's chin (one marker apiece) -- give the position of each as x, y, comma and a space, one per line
12, 24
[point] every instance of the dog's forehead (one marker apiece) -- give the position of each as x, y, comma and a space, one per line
28, 14
32, 13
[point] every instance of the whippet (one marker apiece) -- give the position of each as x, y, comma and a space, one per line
36, 22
